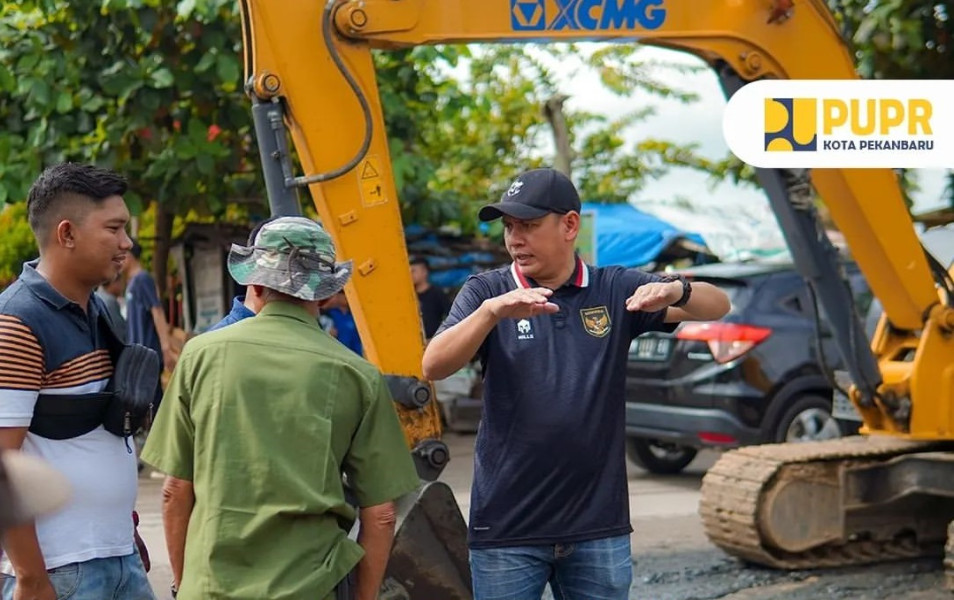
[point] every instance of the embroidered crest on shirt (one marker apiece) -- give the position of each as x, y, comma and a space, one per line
524, 331
596, 321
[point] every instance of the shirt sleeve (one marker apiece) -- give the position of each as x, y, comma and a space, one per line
643, 321
145, 289
445, 303
21, 372
170, 445
378, 464
471, 295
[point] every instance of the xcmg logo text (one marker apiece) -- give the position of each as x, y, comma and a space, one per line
587, 15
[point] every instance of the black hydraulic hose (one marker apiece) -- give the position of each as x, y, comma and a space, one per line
822, 359
326, 31
941, 276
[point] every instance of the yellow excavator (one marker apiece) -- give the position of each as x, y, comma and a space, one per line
885, 494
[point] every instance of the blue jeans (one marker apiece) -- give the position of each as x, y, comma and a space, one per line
119, 578
592, 570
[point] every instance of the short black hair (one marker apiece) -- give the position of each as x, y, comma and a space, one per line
420, 260
258, 227
60, 186
136, 249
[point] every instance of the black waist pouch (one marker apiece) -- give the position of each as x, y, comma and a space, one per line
59, 417
134, 391
123, 408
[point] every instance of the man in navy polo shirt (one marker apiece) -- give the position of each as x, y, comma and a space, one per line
549, 502
51, 345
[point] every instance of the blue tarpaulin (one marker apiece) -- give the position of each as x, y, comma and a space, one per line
624, 236
629, 237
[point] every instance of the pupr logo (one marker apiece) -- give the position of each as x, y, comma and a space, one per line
841, 124
791, 124
515, 188
524, 331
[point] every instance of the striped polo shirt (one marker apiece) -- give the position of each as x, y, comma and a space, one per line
50, 344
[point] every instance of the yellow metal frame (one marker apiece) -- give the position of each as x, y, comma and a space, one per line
756, 38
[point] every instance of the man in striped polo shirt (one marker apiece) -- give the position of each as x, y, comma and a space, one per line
51, 344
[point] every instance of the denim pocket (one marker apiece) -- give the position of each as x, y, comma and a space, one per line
65, 580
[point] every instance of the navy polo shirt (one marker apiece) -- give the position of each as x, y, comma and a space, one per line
549, 458
50, 341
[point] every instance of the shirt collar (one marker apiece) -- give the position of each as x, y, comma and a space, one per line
580, 277
41, 288
287, 309
239, 308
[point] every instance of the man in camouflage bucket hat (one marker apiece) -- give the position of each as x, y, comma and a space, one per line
292, 255
260, 421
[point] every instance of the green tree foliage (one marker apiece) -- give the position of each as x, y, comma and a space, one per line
901, 39
461, 120
150, 88
153, 89
16, 244
464, 120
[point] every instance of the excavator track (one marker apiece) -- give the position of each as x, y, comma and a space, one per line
736, 490
949, 559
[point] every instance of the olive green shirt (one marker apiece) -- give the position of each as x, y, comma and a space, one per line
264, 417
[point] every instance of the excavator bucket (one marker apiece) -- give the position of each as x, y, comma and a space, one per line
429, 558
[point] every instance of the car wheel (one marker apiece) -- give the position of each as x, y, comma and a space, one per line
657, 457
808, 419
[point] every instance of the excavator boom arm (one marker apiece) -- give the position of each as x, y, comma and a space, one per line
310, 75
312, 62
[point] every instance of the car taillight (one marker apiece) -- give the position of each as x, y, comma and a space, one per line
711, 437
727, 341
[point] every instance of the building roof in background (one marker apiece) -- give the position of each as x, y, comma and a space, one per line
936, 218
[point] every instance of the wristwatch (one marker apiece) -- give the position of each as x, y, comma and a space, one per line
686, 289
174, 589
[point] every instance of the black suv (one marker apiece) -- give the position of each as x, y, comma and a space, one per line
752, 377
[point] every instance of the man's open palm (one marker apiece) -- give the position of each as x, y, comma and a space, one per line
523, 304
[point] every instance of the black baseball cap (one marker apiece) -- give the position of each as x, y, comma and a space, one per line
535, 194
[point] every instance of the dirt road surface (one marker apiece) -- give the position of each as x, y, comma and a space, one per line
673, 560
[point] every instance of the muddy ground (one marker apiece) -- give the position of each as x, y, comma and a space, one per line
692, 569
673, 560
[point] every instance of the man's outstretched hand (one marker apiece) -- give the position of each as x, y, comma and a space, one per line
523, 304
651, 297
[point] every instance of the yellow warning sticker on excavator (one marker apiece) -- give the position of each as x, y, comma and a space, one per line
369, 171
370, 181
